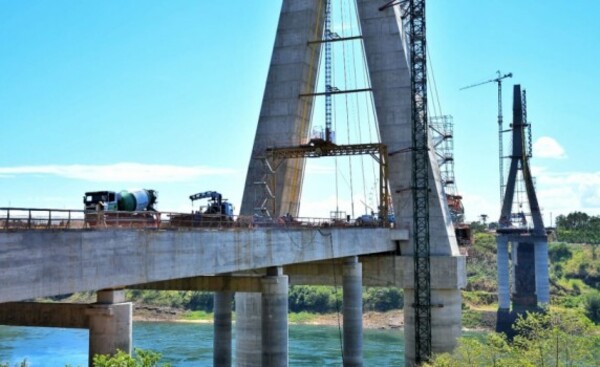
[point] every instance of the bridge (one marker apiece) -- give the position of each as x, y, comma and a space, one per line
52, 252
257, 261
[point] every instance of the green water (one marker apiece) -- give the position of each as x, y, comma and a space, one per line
186, 345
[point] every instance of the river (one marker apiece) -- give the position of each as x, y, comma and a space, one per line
190, 344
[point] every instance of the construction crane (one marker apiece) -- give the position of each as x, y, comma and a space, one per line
497, 80
328, 86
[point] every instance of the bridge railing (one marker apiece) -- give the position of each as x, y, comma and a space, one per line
43, 219
35, 218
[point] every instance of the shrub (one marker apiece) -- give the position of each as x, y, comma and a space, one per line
559, 252
383, 299
592, 307
319, 299
201, 301
141, 358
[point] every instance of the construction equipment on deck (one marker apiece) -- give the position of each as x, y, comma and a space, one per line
217, 212
124, 208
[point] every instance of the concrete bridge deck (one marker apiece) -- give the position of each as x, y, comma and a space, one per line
40, 263
56, 253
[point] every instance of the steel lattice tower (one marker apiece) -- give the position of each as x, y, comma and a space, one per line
420, 178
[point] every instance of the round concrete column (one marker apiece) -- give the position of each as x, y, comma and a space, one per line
353, 328
503, 273
248, 338
542, 282
110, 324
275, 319
445, 322
222, 328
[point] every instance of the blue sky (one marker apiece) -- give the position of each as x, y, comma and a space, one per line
166, 95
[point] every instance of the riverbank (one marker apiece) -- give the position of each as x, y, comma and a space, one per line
472, 319
371, 320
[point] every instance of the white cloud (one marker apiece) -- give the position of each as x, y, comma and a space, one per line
547, 147
476, 205
565, 192
118, 172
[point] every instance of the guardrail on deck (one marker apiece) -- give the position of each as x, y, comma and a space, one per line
44, 219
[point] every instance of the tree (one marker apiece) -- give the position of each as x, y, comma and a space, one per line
575, 220
478, 227
564, 338
556, 338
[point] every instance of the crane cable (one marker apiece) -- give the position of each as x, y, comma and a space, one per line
436, 100
370, 105
345, 73
358, 119
331, 76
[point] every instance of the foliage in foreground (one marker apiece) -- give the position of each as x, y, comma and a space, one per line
22, 364
140, 358
553, 339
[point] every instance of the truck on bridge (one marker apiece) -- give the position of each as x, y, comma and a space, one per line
218, 212
124, 208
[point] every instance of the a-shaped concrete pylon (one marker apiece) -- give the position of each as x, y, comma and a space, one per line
529, 243
285, 121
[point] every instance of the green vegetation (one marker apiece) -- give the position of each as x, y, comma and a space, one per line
383, 299
317, 299
323, 299
472, 319
22, 364
198, 316
140, 358
312, 299
302, 317
578, 227
592, 307
564, 338
481, 264
188, 300
574, 271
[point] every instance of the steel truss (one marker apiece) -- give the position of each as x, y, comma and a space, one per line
276, 156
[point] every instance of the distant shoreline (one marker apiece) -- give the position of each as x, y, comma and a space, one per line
390, 320
371, 320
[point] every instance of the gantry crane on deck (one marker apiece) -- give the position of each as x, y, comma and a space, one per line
324, 145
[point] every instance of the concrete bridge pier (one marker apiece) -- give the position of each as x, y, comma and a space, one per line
110, 323
222, 329
248, 338
447, 278
274, 318
353, 328
504, 319
542, 282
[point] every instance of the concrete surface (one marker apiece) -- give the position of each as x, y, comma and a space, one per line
284, 116
46, 263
